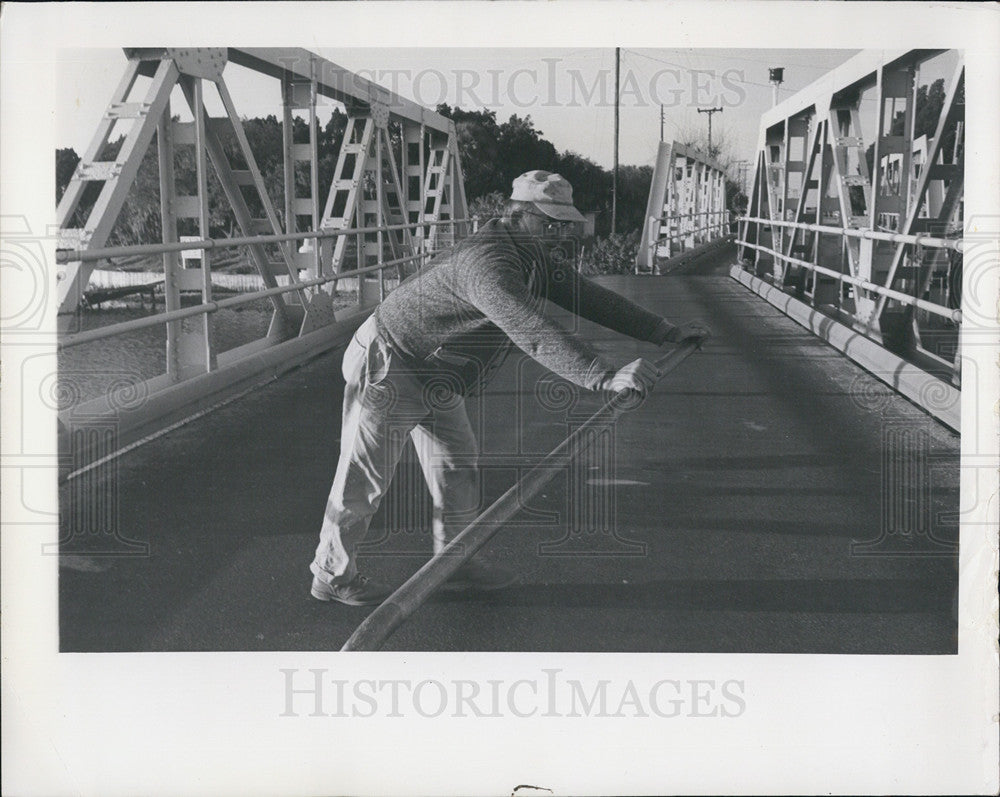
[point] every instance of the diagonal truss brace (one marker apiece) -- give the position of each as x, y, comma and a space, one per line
121, 173
948, 113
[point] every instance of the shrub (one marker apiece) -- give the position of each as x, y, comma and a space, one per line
488, 206
614, 254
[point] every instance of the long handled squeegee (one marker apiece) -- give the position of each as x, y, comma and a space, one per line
381, 623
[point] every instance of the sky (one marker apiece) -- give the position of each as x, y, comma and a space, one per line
569, 93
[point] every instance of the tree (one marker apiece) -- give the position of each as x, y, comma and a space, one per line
927, 111
265, 137
488, 206
614, 254
479, 147
930, 101
736, 201
330, 137
66, 161
522, 148
591, 184
633, 193
492, 154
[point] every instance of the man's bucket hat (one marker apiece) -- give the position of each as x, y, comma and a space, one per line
550, 193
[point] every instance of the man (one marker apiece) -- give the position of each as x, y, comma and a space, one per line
440, 336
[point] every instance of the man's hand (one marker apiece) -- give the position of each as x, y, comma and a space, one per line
639, 375
691, 331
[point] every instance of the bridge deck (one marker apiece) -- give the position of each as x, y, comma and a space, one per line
746, 477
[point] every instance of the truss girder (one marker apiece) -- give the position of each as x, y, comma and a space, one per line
686, 207
335, 82
117, 178
190, 343
388, 192
815, 165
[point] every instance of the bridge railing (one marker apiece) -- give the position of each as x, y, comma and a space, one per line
316, 313
953, 244
937, 295
857, 200
716, 224
686, 185
457, 229
395, 195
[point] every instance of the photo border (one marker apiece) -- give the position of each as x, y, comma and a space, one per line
211, 723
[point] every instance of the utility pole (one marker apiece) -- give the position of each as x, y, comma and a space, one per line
710, 111
661, 123
614, 176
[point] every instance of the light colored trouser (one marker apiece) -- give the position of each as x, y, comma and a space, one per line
383, 402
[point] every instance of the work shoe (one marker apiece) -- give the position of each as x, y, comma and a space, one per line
475, 575
359, 591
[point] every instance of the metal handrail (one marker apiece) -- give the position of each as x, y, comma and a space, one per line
690, 215
686, 233
905, 298
211, 307
85, 255
956, 244
721, 224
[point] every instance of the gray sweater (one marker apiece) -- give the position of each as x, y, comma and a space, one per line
456, 318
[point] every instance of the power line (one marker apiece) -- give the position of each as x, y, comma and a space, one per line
735, 79
771, 60
690, 69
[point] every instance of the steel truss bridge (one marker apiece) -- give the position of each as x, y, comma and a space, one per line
879, 247
397, 196
867, 260
686, 210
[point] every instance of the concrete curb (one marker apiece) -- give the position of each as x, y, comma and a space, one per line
677, 261
933, 395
